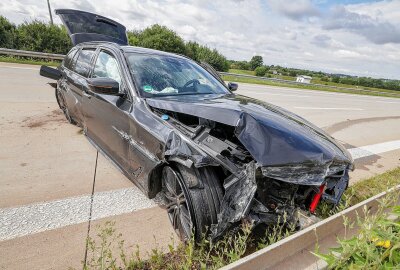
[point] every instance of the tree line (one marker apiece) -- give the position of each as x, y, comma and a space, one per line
43, 37
256, 64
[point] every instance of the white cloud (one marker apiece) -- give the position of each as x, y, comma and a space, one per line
296, 9
297, 33
378, 30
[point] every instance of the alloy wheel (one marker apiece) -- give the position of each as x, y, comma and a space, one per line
177, 204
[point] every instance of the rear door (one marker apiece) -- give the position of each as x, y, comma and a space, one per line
85, 26
76, 81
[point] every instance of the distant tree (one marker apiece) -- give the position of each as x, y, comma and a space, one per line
160, 38
133, 37
243, 65
41, 37
192, 50
261, 71
392, 84
7, 34
349, 80
336, 79
202, 53
292, 73
212, 57
256, 61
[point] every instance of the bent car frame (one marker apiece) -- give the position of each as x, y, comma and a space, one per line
174, 128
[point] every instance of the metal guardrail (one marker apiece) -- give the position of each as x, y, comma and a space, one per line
52, 56
49, 56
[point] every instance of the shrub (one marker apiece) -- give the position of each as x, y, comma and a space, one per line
7, 33
158, 37
41, 37
204, 54
260, 71
377, 245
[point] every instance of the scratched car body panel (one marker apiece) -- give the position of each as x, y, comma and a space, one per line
176, 130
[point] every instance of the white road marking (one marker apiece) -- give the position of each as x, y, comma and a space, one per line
327, 108
374, 149
40, 217
276, 94
388, 102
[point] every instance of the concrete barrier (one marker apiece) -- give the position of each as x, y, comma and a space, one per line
282, 250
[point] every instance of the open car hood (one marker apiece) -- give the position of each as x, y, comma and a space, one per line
272, 135
85, 26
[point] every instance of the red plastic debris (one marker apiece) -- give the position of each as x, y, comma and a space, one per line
316, 199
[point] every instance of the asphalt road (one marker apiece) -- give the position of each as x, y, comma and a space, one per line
47, 168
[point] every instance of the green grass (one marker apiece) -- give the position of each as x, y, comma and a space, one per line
384, 92
25, 60
377, 244
315, 80
107, 251
240, 71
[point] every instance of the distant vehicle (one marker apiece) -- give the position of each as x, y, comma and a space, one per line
174, 128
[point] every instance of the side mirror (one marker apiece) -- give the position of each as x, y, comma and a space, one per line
50, 73
104, 86
233, 86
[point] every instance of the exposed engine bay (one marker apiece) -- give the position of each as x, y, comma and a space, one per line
256, 193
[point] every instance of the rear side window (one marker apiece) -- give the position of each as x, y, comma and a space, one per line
68, 59
83, 63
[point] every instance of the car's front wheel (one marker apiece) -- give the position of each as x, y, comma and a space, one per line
193, 197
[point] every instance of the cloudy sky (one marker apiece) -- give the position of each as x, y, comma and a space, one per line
358, 37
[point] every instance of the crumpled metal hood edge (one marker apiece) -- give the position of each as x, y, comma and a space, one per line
272, 135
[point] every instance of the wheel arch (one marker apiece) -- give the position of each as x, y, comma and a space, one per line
154, 178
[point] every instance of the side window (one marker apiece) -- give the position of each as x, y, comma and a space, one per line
68, 59
106, 67
82, 65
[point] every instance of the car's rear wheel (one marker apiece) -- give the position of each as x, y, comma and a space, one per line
193, 198
63, 107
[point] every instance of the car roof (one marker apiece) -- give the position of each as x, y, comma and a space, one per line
128, 49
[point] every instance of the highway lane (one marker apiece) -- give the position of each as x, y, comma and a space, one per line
353, 119
47, 165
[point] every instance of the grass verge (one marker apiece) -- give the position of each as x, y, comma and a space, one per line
377, 245
315, 80
382, 92
107, 251
27, 60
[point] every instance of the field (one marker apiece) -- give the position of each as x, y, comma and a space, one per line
354, 89
315, 80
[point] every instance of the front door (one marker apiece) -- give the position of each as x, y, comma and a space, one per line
106, 116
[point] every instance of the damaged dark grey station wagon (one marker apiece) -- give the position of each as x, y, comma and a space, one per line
174, 128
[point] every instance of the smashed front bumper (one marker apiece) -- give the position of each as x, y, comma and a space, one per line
243, 199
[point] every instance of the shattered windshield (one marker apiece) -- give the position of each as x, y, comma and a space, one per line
160, 75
